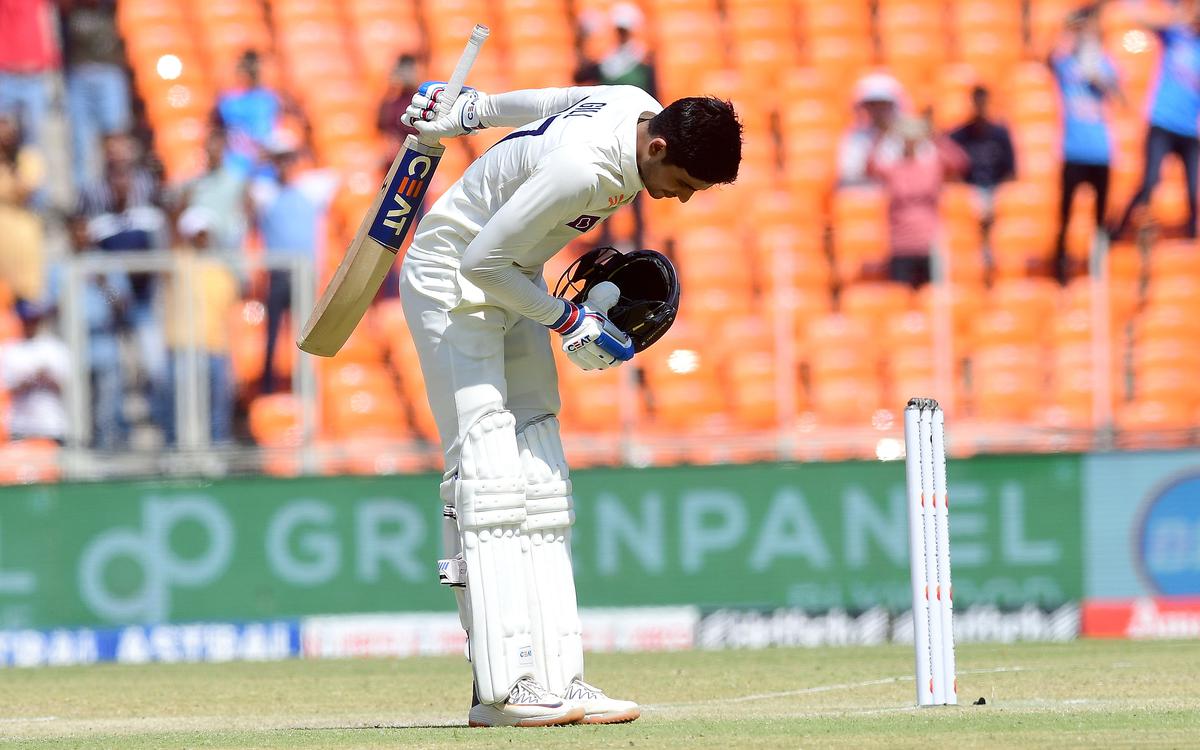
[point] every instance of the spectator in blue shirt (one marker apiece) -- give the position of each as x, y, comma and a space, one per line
1174, 111
104, 302
1086, 77
248, 115
290, 211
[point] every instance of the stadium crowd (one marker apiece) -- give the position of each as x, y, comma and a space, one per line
260, 182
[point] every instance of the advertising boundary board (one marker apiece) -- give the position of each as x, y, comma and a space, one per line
806, 537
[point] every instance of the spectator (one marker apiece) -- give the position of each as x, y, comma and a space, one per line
197, 301
1174, 111
290, 210
120, 153
21, 242
629, 63
221, 190
122, 220
402, 84
913, 183
27, 53
587, 68
248, 114
877, 101
35, 370
989, 150
1086, 77
103, 303
97, 89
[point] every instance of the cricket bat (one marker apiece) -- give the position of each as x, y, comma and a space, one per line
383, 230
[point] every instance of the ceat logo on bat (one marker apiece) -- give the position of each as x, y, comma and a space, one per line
584, 222
406, 191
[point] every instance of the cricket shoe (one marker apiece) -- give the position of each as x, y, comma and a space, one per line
598, 707
528, 705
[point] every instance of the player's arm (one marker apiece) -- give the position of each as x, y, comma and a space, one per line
474, 109
559, 189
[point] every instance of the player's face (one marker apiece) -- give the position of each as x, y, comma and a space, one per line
670, 181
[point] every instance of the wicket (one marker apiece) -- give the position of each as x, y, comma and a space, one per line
929, 552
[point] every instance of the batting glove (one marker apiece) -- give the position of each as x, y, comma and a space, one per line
435, 119
590, 340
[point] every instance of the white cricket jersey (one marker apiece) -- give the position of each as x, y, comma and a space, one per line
540, 187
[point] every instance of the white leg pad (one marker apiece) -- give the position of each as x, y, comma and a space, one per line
550, 580
489, 497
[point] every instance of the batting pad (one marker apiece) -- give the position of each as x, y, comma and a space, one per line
550, 581
490, 502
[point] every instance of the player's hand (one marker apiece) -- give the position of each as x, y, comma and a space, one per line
590, 339
434, 119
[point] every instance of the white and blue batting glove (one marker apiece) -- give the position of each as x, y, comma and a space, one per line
435, 119
589, 338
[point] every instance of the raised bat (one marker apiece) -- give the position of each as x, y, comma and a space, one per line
383, 230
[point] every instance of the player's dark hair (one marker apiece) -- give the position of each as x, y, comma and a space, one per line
703, 135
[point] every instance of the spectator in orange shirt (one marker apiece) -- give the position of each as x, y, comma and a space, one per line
913, 184
21, 239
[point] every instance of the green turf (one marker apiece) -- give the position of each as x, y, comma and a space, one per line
1094, 694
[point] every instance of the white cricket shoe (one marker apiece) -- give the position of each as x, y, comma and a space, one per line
598, 707
528, 705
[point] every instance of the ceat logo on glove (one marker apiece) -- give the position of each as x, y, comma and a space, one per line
575, 346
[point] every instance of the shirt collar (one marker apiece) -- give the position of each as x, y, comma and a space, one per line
627, 142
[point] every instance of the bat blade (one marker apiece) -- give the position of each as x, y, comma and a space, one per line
382, 231
372, 252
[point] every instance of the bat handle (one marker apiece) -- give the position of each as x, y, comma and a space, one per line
459, 77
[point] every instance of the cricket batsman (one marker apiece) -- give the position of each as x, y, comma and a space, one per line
482, 318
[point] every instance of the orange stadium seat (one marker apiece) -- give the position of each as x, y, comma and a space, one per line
1175, 290
752, 382
876, 302
792, 261
952, 94
850, 400
961, 252
684, 390
1045, 24
1123, 295
591, 401
1008, 327
1021, 246
1153, 424
910, 329
1166, 321
833, 361
247, 341
28, 461
860, 234
274, 419
365, 412
1007, 395
961, 301
1038, 296
1167, 354
1170, 258
837, 329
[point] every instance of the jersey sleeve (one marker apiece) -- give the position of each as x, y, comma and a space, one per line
560, 188
522, 107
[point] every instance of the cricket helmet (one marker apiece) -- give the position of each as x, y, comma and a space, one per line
649, 288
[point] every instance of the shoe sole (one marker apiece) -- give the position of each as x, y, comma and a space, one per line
574, 716
623, 717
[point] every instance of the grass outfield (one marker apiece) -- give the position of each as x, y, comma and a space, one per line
1097, 694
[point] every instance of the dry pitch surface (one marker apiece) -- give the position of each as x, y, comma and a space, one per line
1094, 694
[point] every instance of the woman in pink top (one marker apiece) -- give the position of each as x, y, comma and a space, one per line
913, 183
